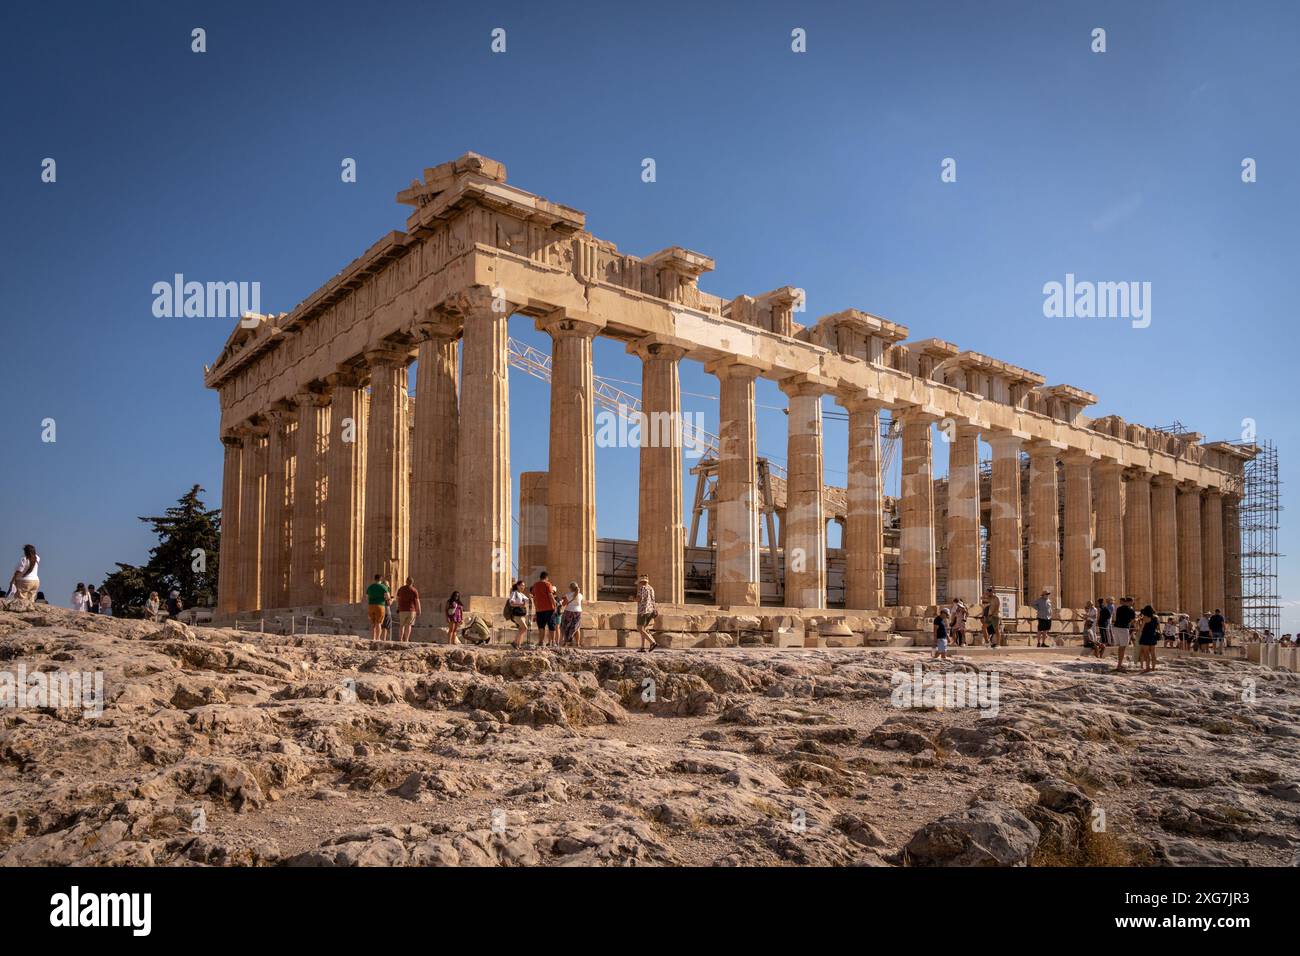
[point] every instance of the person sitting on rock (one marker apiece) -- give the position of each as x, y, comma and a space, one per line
26, 580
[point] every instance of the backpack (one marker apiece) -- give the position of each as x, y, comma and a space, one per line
476, 630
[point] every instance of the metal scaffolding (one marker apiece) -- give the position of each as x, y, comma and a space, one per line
1261, 607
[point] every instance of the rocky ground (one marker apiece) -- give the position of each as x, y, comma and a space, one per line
219, 747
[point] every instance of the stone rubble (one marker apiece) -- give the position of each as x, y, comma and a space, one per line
218, 747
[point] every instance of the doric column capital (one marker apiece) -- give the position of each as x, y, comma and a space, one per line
1005, 442
805, 386
312, 397
1044, 448
1161, 480
347, 378
866, 400
1213, 493
1110, 467
474, 300
281, 413
232, 439
560, 325
657, 348
438, 326
1189, 488
735, 367
253, 429
1138, 473
917, 414
1081, 456
385, 356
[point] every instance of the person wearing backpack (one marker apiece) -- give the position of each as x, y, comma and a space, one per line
516, 612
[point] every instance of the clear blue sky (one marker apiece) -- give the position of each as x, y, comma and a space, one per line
819, 170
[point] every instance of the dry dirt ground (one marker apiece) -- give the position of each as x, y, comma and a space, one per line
221, 747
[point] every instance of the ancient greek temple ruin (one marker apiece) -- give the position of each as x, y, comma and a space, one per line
333, 473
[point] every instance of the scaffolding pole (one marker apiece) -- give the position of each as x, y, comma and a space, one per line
1261, 606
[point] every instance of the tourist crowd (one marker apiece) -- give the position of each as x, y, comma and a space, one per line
1105, 625
557, 618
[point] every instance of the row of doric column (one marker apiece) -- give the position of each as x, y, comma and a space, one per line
319, 494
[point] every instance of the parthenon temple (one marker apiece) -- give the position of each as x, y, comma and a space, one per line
334, 473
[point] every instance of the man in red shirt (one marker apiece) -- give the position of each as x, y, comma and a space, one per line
544, 602
408, 609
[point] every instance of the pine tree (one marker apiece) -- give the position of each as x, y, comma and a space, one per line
185, 559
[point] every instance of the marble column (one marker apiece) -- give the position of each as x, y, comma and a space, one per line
963, 529
661, 529
1044, 523
805, 519
736, 582
345, 468
864, 544
571, 491
916, 511
307, 568
1232, 557
1076, 576
1109, 482
1189, 550
1164, 544
387, 530
1137, 536
1006, 539
277, 531
252, 517
483, 501
533, 486
433, 453
228, 598
1212, 563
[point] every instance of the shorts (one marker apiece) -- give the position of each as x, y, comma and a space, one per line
645, 620
1044, 624
375, 613
1220, 638
546, 620
405, 618
1119, 636
941, 645
1203, 639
